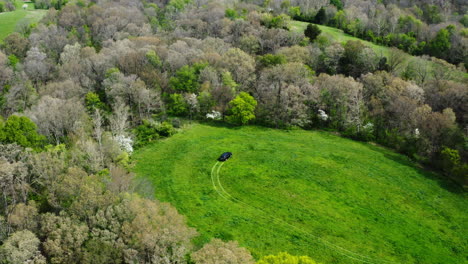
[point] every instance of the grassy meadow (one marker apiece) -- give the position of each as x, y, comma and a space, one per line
308, 193
9, 20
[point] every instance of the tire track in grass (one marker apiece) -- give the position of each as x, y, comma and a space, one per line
343, 251
213, 181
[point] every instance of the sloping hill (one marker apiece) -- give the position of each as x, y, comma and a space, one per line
308, 193
337, 35
9, 20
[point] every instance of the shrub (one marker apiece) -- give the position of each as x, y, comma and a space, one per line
151, 131
219, 252
176, 105
452, 165
285, 258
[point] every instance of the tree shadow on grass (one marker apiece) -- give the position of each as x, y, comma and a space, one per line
427, 172
224, 124
219, 124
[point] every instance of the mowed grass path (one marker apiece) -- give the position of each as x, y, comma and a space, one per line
337, 35
9, 20
308, 193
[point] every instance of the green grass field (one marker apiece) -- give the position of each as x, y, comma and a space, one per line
337, 35
9, 20
307, 193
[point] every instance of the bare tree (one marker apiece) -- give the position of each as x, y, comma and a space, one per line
421, 69
121, 180
98, 130
119, 118
57, 118
282, 92
14, 188
37, 66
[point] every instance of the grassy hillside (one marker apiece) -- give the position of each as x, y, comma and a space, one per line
337, 35
9, 20
308, 193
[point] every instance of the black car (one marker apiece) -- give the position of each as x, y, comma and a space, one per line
225, 156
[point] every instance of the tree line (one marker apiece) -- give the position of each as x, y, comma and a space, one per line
94, 80
436, 28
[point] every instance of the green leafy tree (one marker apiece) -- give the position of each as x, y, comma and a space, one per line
452, 164
280, 21
294, 11
13, 61
464, 20
153, 59
178, 4
228, 80
231, 14
339, 20
186, 78
20, 130
270, 60
431, 14
242, 109
440, 45
312, 32
176, 105
337, 3
285, 258
93, 102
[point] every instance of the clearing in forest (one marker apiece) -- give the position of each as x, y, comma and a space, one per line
308, 193
9, 20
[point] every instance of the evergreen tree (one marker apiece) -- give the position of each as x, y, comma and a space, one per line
321, 16
312, 32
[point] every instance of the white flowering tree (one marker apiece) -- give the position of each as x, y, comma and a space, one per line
322, 115
125, 143
214, 115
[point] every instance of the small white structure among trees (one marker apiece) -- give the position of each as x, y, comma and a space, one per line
25, 6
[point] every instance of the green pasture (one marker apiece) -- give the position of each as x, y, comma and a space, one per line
308, 193
9, 20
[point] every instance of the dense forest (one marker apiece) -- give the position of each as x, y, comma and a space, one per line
96, 79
